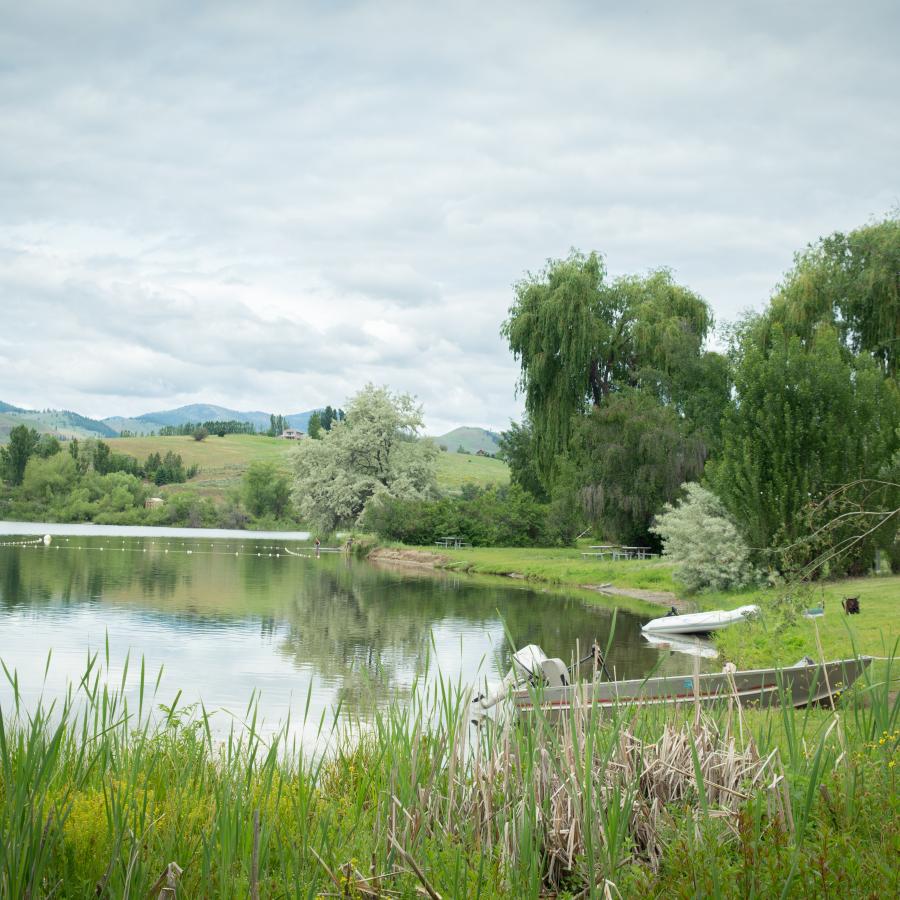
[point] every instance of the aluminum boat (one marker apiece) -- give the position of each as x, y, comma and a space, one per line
803, 684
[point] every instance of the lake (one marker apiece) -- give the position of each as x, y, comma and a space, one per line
229, 620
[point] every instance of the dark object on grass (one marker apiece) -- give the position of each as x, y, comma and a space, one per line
851, 605
672, 612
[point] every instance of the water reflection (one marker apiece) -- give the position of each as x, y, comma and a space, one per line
225, 622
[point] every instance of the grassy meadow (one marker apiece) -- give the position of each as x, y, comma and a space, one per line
454, 470
224, 460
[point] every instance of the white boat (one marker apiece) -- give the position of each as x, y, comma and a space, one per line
699, 623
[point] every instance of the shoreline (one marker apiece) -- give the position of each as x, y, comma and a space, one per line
777, 637
426, 559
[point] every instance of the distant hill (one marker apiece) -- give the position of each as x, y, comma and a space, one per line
205, 412
134, 426
470, 439
60, 422
70, 424
301, 420
200, 412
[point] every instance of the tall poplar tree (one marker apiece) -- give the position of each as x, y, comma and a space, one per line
806, 419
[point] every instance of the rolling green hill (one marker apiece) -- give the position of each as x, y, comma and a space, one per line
470, 439
60, 422
224, 460
457, 469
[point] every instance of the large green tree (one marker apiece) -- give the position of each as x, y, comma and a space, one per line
580, 339
851, 281
806, 419
375, 449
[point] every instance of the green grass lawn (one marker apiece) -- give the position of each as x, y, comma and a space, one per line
561, 566
771, 639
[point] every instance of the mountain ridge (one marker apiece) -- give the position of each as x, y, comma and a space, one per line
67, 423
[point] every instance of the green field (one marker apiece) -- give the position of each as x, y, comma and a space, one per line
224, 460
457, 469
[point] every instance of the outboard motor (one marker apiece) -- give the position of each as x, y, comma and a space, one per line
530, 666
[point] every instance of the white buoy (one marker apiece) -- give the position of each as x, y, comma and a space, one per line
47, 540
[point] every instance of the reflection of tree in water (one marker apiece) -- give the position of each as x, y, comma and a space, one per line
350, 636
76, 574
364, 629
11, 589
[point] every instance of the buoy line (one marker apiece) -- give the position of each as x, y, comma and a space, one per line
28, 543
205, 548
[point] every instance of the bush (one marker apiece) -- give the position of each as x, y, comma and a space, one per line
703, 542
499, 517
266, 490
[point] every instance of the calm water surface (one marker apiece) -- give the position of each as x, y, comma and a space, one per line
230, 619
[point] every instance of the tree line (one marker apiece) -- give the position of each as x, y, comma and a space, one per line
218, 427
626, 402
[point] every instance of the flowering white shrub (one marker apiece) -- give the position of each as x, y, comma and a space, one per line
702, 541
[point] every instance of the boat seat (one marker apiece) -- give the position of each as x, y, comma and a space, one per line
555, 673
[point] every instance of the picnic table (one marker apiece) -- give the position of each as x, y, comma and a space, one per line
637, 552
616, 551
598, 551
451, 540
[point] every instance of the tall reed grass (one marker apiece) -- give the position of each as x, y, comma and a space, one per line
102, 797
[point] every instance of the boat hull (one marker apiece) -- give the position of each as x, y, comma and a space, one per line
699, 623
794, 686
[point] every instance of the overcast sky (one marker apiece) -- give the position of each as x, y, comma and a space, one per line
266, 205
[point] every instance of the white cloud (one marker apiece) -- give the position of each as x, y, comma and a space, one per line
269, 205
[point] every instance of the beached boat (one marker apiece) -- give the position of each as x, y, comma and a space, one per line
699, 623
536, 681
804, 684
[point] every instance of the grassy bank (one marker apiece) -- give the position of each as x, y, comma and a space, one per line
774, 639
556, 565
97, 800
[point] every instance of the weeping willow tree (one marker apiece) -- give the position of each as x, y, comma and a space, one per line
852, 282
632, 456
580, 339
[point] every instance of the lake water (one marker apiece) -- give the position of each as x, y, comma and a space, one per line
228, 619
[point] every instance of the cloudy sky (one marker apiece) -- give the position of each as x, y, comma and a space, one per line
266, 205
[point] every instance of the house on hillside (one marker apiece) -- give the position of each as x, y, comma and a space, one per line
292, 434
